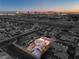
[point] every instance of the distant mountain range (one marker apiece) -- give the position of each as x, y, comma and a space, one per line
36, 12
2, 12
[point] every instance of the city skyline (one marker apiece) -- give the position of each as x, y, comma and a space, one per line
40, 5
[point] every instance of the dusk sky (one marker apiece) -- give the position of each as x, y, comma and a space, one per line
39, 5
